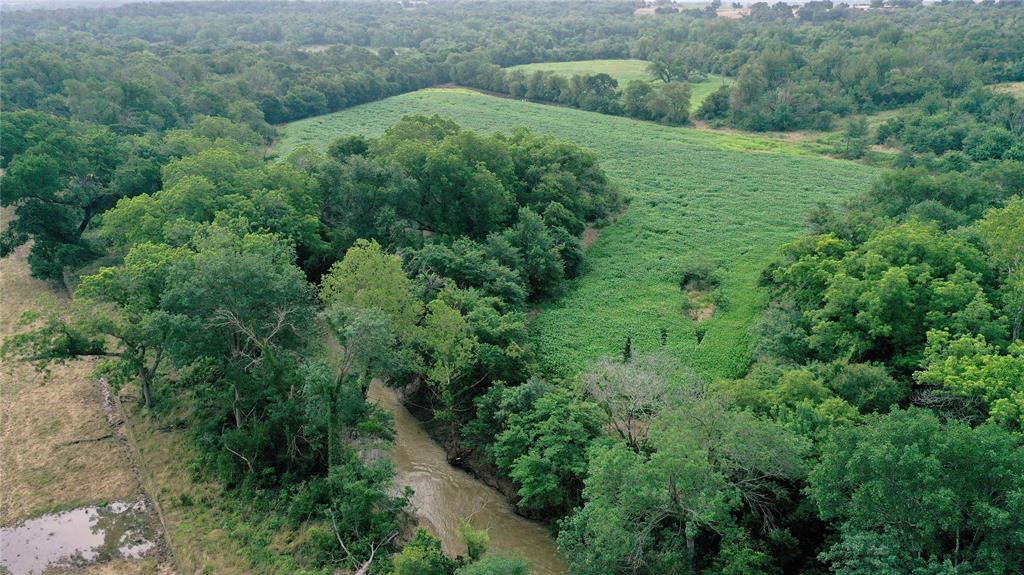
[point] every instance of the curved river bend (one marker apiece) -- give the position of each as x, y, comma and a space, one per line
444, 495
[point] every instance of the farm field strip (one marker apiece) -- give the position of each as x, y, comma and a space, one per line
731, 199
624, 71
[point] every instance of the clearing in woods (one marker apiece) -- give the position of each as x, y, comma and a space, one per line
1012, 88
56, 445
58, 449
624, 71
730, 199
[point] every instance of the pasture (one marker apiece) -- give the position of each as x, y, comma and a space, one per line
623, 71
725, 198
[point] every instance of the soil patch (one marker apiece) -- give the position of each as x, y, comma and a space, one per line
701, 308
590, 236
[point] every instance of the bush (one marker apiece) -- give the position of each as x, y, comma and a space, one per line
700, 276
423, 556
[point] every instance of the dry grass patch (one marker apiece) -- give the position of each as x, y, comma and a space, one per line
150, 566
1011, 88
700, 305
46, 465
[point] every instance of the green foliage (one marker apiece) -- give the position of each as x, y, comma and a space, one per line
541, 264
971, 368
538, 435
912, 493
469, 264
631, 287
223, 183
451, 346
950, 199
123, 303
544, 450
355, 504
877, 301
623, 71
868, 387
716, 105
647, 509
1000, 230
476, 540
59, 177
522, 200
855, 136
368, 278
423, 556
669, 103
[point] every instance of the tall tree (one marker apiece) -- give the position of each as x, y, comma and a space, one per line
1002, 230
66, 175
913, 494
644, 511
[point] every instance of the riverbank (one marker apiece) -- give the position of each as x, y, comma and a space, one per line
446, 495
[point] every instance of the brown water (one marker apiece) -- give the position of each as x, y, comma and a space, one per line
78, 537
444, 495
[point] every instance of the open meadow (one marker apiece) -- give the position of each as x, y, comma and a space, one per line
623, 71
728, 199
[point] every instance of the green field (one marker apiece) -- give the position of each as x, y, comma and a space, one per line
624, 71
621, 70
728, 198
701, 90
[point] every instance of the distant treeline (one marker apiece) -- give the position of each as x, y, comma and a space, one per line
150, 67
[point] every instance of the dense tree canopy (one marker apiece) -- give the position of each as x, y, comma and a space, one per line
878, 430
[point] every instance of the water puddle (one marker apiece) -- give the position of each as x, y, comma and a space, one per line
120, 530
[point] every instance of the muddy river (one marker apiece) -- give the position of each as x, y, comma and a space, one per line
444, 495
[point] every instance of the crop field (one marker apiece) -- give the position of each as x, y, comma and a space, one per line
624, 71
621, 70
725, 198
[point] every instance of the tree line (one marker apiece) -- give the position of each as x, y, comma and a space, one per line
143, 69
878, 429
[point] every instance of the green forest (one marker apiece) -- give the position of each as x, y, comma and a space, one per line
691, 290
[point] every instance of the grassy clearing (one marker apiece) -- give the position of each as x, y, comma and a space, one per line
701, 90
732, 199
621, 70
43, 470
624, 71
1012, 88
